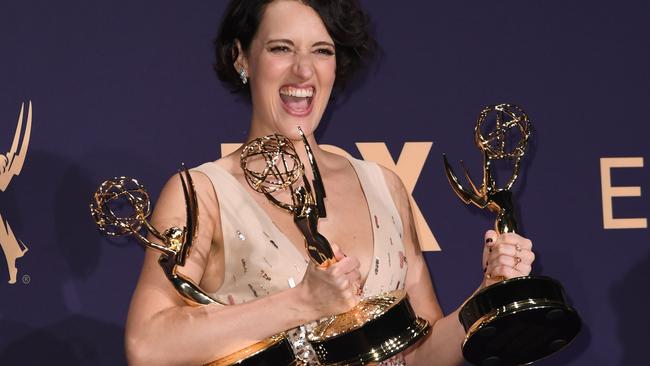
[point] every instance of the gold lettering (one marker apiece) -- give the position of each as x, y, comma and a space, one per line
609, 192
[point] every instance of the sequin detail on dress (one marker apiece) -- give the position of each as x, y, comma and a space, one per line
303, 350
265, 275
252, 290
243, 265
240, 235
395, 361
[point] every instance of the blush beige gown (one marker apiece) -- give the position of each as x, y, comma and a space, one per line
260, 260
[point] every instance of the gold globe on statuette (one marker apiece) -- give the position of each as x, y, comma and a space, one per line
379, 327
121, 207
519, 320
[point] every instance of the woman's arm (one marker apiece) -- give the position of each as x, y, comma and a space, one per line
163, 330
443, 344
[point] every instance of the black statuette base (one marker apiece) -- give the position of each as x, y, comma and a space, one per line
517, 321
370, 344
280, 354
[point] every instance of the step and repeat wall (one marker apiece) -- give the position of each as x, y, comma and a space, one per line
91, 90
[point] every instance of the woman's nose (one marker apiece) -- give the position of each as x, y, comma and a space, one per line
303, 66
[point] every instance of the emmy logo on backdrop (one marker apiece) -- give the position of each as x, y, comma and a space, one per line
11, 164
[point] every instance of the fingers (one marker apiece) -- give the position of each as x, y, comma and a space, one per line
489, 240
345, 266
513, 252
347, 280
521, 267
506, 256
344, 273
354, 276
514, 239
344, 276
491, 234
333, 289
338, 253
503, 272
349, 276
348, 286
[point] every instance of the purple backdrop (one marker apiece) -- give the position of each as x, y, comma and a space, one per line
126, 88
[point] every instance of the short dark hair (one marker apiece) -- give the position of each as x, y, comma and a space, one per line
345, 21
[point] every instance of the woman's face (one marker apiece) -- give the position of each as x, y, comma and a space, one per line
291, 66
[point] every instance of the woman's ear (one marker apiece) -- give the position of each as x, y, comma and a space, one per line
241, 62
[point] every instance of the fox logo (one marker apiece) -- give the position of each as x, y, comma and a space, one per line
10, 165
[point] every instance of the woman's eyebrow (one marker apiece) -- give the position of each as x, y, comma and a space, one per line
290, 42
323, 43
280, 41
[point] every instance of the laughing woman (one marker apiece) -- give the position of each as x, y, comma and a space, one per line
286, 57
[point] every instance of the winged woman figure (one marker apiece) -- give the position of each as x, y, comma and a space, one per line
10, 165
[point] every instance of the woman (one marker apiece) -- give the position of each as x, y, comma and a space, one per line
288, 55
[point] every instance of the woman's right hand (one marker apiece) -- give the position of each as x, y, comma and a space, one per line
332, 290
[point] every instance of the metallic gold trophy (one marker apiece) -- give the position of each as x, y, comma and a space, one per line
378, 327
121, 206
519, 320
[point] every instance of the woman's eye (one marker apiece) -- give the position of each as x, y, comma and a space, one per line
325, 51
279, 49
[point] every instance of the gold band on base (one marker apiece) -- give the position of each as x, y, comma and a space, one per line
376, 329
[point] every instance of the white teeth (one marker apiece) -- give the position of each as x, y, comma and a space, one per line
296, 92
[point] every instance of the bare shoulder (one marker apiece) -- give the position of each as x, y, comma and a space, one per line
174, 185
171, 210
171, 202
334, 162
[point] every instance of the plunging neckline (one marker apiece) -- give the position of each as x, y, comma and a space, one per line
284, 237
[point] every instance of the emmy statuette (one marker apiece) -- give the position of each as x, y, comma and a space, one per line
378, 327
520, 320
106, 208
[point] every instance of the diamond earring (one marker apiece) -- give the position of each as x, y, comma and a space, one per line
243, 76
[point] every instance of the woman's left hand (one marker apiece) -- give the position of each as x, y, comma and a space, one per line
506, 256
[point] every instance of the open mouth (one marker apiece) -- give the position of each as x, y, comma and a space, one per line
297, 100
